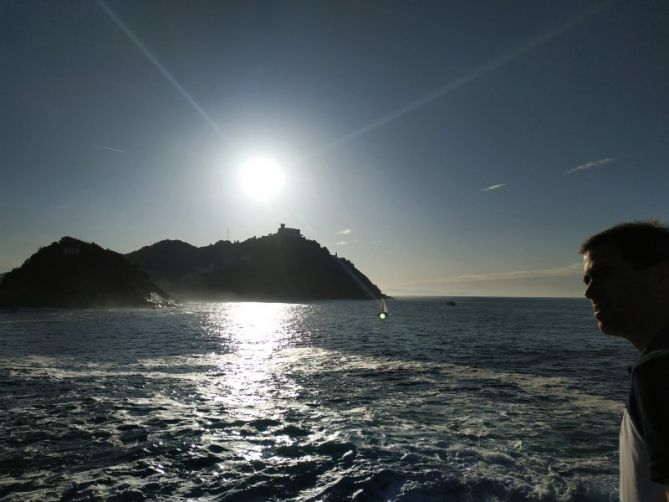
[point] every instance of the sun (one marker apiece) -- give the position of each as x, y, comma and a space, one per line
261, 178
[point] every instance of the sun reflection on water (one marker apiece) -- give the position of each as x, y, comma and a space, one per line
247, 383
249, 377
255, 325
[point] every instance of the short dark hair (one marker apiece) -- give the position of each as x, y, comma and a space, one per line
641, 243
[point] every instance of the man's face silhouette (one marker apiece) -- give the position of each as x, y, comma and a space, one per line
622, 296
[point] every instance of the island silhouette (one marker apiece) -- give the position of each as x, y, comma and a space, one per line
284, 266
74, 274
280, 266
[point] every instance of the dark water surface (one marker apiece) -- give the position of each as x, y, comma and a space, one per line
490, 400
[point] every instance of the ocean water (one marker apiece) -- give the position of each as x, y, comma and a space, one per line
490, 400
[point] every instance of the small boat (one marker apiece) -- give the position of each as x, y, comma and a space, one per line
450, 303
383, 309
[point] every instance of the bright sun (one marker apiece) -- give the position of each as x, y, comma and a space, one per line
261, 178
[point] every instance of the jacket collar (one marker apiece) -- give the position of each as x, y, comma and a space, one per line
659, 341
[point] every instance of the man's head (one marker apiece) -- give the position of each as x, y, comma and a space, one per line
626, 273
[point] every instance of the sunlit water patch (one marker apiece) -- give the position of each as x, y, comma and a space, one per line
490, 400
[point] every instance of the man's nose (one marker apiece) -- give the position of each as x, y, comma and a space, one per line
589, 290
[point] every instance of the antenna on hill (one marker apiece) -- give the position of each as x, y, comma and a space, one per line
228, 237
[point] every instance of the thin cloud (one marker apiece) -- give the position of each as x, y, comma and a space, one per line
573, 269
568, 270
342, 243
346, 231
590, 165
109, 148
493, 187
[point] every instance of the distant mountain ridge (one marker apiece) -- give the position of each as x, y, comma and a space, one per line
279, 266
74, 274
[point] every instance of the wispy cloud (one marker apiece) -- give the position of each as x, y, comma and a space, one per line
493, 187
590, 165
109, 148
573, 269
346, 231
342, 243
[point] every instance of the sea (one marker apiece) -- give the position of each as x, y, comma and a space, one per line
490, 399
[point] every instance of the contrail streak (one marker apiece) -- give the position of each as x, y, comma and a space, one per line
109, 148
493, 187
486, 68
590, 165
138, 43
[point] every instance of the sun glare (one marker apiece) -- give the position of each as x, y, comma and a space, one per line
262, 178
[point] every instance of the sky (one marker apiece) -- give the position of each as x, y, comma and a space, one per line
445, 147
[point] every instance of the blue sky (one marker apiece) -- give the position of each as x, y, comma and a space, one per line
446, 148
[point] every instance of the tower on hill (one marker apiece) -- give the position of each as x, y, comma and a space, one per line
285, 231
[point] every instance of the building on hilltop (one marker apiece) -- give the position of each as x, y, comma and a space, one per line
285, 231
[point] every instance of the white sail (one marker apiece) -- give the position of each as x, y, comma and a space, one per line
383, 309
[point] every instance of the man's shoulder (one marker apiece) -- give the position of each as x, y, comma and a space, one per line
650, 375
654, 360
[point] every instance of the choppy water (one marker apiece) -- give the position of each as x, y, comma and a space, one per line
491, 400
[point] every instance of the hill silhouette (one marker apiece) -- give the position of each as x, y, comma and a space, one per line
74, 274
283, 266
